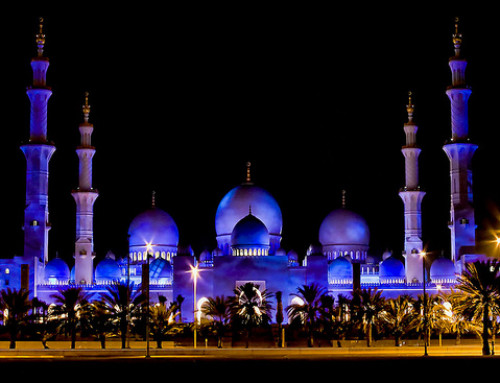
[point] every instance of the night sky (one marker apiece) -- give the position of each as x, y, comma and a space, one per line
314, 98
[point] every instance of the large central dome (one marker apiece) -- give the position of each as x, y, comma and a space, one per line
236, 204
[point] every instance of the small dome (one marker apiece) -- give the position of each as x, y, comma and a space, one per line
153, 226
280, 251
386, 254
293, 256
344, 227
391, 268
160, 269
340, 269
107, 270
58, 269
442, 270
250, 231
206, 256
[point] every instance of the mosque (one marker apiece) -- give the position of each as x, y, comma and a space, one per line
248, 225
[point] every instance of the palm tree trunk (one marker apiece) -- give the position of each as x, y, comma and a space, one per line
73, 335
247, 341
486, 314
369, 335
123, 332
310, 338
102, 339
397, 340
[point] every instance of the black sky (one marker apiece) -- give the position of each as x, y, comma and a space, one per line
182, 98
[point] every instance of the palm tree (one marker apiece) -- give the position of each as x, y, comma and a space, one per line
481, 284
39, 316
455, 322
219, 310
307, 309
70, 304
431, 320
123, 301
163, 319
279, 317
328, 316
100, 320
369, 305
250, 308
399, 316
14, 305
343, 315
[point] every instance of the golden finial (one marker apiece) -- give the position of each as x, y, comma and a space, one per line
249, 178
86, 108
343, 198
410, 108
153, 199
40, 38
457, 38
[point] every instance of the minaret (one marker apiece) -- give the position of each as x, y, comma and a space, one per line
460, 151
38, 152
85, 197
412, 198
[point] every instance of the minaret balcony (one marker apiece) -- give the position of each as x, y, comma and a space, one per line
407, 189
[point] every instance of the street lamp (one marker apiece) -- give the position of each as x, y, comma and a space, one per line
195, 272
425, 303
149, 249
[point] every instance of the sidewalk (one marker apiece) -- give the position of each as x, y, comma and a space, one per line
254, 353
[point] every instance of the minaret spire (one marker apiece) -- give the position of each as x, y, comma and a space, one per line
410, 108
85, 196
412, 198
40, 38
38, 152
457, 39
460, 151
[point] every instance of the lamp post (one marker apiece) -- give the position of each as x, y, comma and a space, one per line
194, 273
148, 250
425, 304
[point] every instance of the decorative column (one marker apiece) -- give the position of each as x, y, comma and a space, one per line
460, 151
412, 198
85, 197
38, 152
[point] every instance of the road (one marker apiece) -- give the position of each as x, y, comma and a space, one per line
254, 364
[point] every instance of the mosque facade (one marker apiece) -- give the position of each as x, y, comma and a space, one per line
248, 225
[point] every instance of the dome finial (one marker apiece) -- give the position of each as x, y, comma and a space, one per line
457, 38
250, 209
86, 108
153, 199
343, 199
410, 108
248, 177
40, 38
